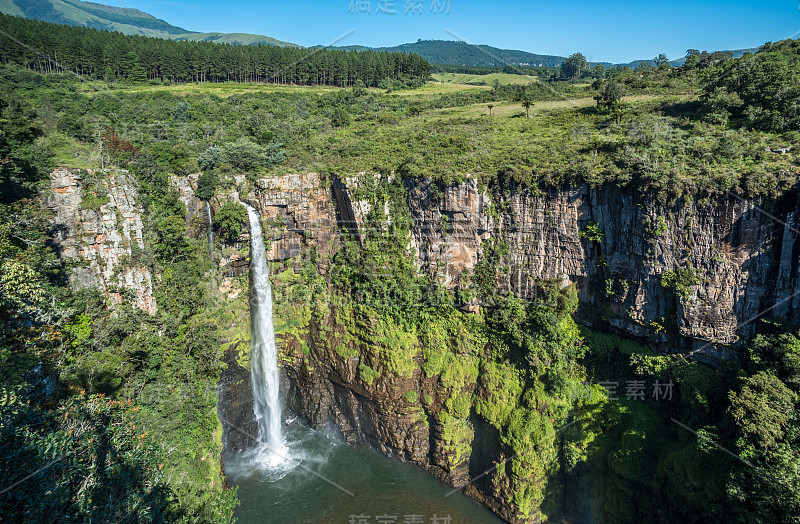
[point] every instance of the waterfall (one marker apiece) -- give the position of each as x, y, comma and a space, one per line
264, 354
210, 231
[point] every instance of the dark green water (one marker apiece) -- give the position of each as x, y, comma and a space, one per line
377, 486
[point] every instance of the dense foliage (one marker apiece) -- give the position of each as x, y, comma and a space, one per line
46, 47
762, 89
107, 413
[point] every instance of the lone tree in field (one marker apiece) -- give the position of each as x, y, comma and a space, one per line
527, 103
490, 106
610, 95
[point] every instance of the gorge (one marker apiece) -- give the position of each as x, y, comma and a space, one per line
564, 297
741, 261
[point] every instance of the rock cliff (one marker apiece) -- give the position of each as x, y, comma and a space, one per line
680, 275
101, 235
738, 258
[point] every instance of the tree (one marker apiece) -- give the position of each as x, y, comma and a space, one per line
762, 409
206, 185
229, 220
247, 156
340, 117
692, 58
181, 111
210, 158
610, 95
761, 87
574, 66
490, 106
133, 68
661, 61
527, 103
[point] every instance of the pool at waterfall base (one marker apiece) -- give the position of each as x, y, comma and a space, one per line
327, 481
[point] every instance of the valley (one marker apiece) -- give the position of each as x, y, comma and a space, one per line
357, 289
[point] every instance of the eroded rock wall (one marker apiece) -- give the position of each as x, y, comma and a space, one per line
102, 240
744, 256
618, 248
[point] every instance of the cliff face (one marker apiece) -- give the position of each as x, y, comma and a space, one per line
681, 275
738, 258
101, 239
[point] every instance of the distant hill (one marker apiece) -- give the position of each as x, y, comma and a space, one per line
88, 14
233, 38
125, 20
453, 52
737, 53
461, 53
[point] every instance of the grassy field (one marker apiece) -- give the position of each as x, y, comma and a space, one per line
455, 142
505, 109
434, 88
451, 136
488, 80
233, 88
208, 88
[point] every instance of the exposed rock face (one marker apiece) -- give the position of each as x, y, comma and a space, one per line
731, 261
376, 412
745, 262
103, 238
299, 212
235, 406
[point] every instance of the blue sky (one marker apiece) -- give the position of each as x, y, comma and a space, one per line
607, 30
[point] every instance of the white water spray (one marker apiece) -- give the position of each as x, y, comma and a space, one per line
264, 354
210, 231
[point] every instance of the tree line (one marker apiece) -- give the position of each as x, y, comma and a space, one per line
54, 48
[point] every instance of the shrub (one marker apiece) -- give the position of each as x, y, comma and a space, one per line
229, 220
247, 156
681, 280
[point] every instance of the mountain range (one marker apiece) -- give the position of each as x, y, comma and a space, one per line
135, 22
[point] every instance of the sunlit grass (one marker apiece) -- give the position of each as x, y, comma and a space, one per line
434, 88
221, 89
488, 80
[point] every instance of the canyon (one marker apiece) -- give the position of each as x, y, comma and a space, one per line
734, 260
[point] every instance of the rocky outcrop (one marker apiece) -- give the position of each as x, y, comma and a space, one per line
102, 239
299, 212
738, 260
378, 411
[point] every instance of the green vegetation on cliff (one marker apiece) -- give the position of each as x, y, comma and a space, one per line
108, 413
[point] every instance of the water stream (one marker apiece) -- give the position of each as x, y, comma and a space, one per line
209, 231
264, 354
307, 476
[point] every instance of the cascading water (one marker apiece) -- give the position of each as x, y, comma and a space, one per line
264, 354
209, 231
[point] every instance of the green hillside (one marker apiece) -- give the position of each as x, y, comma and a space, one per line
233, 38
453, 52
88, 14
125, 20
